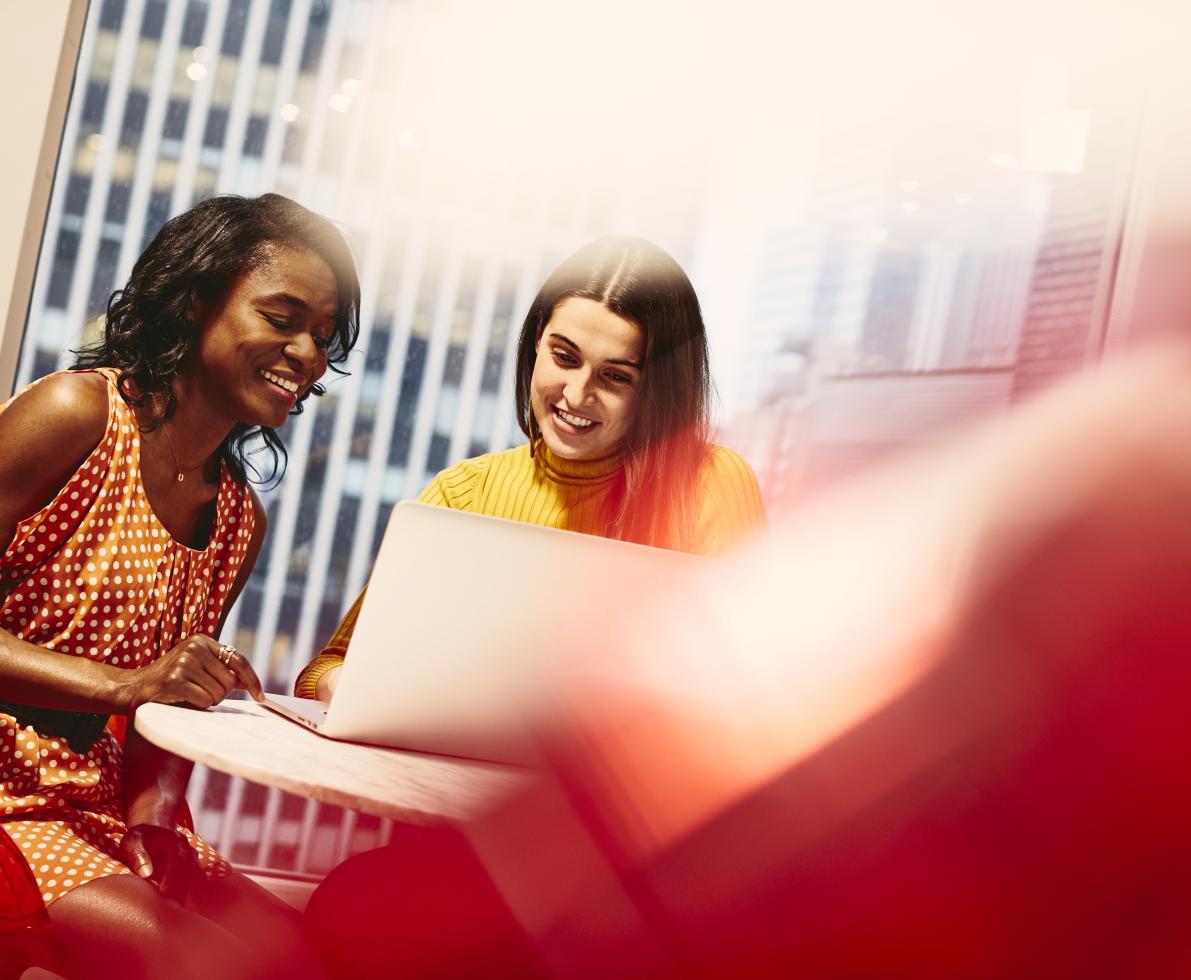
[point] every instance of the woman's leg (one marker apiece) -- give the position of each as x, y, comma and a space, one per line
422, 907
258, 918
120, 927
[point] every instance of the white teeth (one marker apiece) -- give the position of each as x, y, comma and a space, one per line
290, 386
574, 420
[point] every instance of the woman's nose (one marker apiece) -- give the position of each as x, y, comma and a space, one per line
301, 348
578, 387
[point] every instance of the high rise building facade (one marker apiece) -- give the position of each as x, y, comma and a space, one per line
930, 276
176, 100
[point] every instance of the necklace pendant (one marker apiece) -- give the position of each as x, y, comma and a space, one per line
180, 476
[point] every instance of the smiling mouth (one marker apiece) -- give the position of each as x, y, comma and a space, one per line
291, 386
575, 421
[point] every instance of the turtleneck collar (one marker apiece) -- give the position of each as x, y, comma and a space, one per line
576, 472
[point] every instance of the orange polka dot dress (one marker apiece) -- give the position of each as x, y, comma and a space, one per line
95, 574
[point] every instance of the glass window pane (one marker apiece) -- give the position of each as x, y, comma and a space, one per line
876, 263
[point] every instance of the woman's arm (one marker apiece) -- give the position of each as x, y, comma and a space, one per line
730, 507
47, 433
155, 780
318, 678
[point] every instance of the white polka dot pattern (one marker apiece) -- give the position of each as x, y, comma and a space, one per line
95, 574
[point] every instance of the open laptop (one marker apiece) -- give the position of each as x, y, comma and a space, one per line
469, 622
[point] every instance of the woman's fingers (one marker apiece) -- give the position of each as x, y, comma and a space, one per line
324, 690
224, 669
214, 690
137, 856
197, 694
245, 676
219, 668
199, 672
160, 855
180, 862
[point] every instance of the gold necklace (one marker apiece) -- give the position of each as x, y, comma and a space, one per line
170, 442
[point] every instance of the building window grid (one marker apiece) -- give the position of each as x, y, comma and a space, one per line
175, 122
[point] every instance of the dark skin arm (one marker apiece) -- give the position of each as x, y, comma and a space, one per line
47, 434
155, 780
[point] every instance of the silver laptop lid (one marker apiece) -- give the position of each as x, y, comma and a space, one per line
468, 623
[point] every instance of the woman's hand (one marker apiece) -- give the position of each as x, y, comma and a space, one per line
324, 689
163, 856
197, 673
154, 789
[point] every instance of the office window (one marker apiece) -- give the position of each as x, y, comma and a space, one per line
295, 143
117, 207
254, 136
134, 118
411, 385
436, 458
156, 214
893, 289
275, 25
78, 188
176, 113
153, 19
65, 255
111, 15
316, 34
216, 129
193, 23
94, 100
879, 254
234, 27
103, 277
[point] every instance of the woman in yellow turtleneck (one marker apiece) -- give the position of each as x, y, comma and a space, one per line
613, 391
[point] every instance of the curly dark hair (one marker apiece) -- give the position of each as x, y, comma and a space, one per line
191, 264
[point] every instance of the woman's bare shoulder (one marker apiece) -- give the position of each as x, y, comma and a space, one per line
51, 427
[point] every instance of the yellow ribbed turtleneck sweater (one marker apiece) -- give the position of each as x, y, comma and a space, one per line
546, 490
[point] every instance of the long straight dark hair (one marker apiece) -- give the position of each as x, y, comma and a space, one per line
655, 501
192, 262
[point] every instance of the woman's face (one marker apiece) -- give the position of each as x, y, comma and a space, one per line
586, 378
266, 343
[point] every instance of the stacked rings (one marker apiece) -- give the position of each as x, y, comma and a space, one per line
225, 653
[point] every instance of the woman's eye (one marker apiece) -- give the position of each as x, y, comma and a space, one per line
322, 343
276, 321
564, 357
620, 379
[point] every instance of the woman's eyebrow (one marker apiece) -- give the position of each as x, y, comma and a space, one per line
576, 348
289, 299
566, 340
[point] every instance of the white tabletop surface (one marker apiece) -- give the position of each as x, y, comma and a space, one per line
244, 739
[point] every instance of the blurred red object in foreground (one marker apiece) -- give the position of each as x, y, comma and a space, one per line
939, 728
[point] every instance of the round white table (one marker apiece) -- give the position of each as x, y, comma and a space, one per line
244, 739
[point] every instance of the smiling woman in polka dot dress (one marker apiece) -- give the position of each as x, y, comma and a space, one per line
128, 530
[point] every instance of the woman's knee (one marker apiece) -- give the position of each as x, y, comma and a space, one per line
275, 931
121, 926
424, 906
